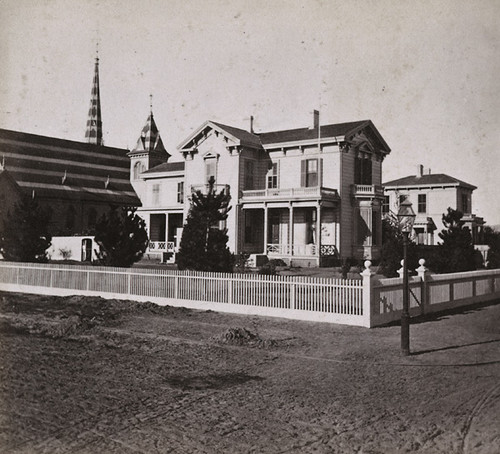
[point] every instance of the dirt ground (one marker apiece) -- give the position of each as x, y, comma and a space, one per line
88, 375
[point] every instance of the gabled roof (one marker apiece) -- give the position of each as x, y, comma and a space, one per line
166, 167
58, 168
435, 179
342, 131
238, 137
292, 135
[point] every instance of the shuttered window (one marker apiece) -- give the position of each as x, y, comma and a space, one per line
309, 173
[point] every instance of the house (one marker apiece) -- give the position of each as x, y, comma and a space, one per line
306, 196
431, 194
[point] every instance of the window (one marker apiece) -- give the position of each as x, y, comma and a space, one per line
272, 176
211, 169
422, 203
385, 204
362, 171
70, 217
309, 173
249, 174
465, 204
180, 192
156, 195
92, 218
138, 169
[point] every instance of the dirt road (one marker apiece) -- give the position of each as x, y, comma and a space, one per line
86, 375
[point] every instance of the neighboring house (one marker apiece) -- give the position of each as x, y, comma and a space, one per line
77, 182
10, 194
304, 195
431, 194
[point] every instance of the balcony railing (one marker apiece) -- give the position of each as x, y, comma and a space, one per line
290, 193
204, 188
367, 190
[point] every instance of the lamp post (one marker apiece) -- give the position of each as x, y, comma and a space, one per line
406, 217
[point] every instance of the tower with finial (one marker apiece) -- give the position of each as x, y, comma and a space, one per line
94, 121
149, 150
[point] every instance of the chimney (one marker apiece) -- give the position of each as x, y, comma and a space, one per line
251, 124
420, 170
316, 119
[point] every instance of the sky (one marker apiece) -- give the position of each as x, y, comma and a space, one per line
424, 71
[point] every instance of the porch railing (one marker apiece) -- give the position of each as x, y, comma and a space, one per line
307, 250
161, 246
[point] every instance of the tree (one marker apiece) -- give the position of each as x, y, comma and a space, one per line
25, 236
121, 236
492, 239
391, 252
204, 245
456, 250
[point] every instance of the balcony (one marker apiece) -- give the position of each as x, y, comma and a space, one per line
367, 191
204, 188
286, 194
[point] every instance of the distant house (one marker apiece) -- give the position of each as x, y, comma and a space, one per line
77, 182
431, 194
304, 195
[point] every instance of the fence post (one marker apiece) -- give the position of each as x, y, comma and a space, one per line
421, 272
129, 282
176, 287
230, 290
292, 295
367, 294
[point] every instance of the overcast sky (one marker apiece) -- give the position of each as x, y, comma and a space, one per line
425, 72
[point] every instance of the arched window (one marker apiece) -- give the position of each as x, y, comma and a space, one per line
91, 218
138, 169
70, 217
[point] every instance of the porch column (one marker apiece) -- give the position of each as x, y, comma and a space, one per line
167, 220
318, 228
290, 229
265, 228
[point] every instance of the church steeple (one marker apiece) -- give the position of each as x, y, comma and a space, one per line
94, 122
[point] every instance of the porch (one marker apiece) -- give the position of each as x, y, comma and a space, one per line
299, 233
165, 232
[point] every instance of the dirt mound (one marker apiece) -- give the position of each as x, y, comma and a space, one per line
245, 337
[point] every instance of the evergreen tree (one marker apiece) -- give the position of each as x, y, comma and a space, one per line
24, 236
492, 239
204, 245
391, 252
121, 236
456, 250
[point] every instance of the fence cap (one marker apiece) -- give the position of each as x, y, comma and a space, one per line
367, 271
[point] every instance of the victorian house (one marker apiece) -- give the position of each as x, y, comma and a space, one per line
306, 196
431, 194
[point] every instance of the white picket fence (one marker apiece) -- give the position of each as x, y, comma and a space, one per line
304, 298
365, 302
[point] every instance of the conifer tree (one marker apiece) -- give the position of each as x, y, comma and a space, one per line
204, 245
121, 236
24, 235
456, 250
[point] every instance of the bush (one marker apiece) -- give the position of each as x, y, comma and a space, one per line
24, 236
121, 236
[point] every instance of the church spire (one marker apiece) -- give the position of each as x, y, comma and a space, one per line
94, 121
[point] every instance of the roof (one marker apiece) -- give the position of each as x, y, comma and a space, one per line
265, 139
150, 139
245, 137
332, 130
64, 169
433, 179
166, 167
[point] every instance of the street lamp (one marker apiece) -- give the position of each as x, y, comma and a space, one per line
406, 217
